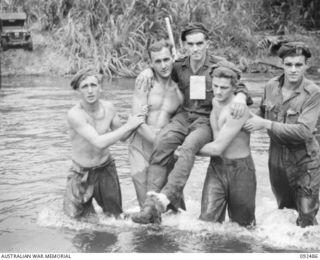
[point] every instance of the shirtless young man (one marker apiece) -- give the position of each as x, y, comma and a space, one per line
160, 102
230, 180
94, 126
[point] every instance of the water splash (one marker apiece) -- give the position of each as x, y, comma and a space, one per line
275, 228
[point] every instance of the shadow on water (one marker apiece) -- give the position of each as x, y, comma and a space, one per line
35, 157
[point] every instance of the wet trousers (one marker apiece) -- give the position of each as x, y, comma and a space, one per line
294, 186
99, 182
139, 155
229, 184
189, 130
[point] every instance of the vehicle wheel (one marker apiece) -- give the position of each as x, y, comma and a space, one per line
29, 45
4, 44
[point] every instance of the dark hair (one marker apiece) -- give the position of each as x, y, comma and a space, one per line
159, 45
223, 72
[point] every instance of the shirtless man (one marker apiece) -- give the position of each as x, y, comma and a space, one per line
94, 126
230, 180
160, 102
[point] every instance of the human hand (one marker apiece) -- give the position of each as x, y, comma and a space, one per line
145, 110
135, 121
145, 79
256, 123
176, 153
238, 106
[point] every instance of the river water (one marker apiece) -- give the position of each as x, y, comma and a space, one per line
35, 157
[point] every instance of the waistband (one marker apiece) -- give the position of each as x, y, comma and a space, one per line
234, 162
78, 168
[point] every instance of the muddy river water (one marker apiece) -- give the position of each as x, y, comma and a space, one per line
34, 162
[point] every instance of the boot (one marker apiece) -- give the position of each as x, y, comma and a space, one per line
147, 215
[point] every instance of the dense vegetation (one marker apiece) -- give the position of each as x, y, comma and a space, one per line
113, 35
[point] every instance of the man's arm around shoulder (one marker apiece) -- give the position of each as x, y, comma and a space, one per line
225, 136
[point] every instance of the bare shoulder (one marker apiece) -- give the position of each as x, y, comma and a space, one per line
107, 105
142, 88
109, 108
75, 115
174, 85
242, 119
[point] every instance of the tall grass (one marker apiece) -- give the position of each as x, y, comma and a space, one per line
113, 35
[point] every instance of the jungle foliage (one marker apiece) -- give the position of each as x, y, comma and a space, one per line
113, 35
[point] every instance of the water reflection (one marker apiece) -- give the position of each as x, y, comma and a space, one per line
94, 242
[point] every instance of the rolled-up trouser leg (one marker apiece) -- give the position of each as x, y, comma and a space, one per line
281, 189
178, 177
242, 191
213, 201
307, 209
77, 201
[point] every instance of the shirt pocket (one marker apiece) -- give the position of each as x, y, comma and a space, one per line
270, 112
292, 116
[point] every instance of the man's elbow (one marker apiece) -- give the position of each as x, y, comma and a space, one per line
99, 145
217, 152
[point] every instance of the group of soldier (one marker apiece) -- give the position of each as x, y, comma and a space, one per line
197, 106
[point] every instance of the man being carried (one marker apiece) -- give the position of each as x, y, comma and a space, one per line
94, 126
291, 108
190, 127
230, 180
160, 102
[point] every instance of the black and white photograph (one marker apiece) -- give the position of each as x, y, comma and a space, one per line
159, 127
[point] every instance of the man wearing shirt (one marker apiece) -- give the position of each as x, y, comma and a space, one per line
291, 107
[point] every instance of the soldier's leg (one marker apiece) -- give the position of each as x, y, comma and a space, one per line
213, 201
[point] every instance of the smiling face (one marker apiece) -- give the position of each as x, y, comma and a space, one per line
90, 89
294, 68
162, 62
222, 89
196, 45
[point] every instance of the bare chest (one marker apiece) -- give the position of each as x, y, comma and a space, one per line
163, 99
101, 123
218, 118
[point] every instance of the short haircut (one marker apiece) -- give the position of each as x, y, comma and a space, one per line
159, 45
223, 72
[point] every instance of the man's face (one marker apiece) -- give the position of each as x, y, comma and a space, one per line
90, 89
294, 68
162, 62
196, 45
222, 89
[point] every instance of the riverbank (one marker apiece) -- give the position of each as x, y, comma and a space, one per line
47, 59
